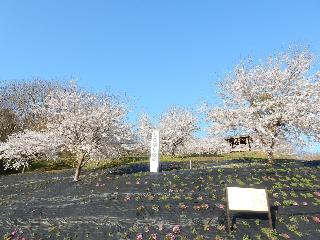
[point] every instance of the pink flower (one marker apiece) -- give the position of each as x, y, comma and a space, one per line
200, 198
14, 232
170, 236
127, 198
317, 194
196, 207
154, 236
221, 206
284, 235
205, 206
147, 229
160, 227
139, 236
183, 206
304, 203
316, 219
176, 229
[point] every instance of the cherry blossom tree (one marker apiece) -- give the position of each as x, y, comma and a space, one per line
275, 100
8, 123
90, 126
23, 147
177, 126
205, 145
144, 132
17, 99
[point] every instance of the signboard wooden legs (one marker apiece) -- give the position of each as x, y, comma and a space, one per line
269, 212
247, 200
155, 147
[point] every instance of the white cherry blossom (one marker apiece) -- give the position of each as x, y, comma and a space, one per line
276, 101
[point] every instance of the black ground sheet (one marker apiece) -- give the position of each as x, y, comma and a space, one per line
177, 203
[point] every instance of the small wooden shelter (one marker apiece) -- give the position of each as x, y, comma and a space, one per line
240, 143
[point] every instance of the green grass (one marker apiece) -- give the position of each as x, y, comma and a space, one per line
253, 155
68, 160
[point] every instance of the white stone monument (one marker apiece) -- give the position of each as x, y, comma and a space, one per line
155, 147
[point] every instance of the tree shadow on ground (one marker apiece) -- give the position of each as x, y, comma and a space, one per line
171, 166
248, 216
144, 167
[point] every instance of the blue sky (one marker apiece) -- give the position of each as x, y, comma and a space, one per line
162, 53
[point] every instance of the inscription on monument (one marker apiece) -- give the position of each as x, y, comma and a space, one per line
154, 156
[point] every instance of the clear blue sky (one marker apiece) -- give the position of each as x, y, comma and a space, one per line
164, 52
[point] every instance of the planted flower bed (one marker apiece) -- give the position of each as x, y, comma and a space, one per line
130, 203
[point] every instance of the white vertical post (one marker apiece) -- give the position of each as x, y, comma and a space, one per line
155, 147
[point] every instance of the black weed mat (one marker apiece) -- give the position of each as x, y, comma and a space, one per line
130, 203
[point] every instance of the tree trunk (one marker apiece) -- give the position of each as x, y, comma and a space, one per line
173, 152
270, 152
270, 157
23, 169
78, 168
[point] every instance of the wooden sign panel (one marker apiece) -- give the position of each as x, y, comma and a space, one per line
247, 199
155, 147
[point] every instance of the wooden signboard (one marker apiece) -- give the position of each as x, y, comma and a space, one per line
155, 147
247, 200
